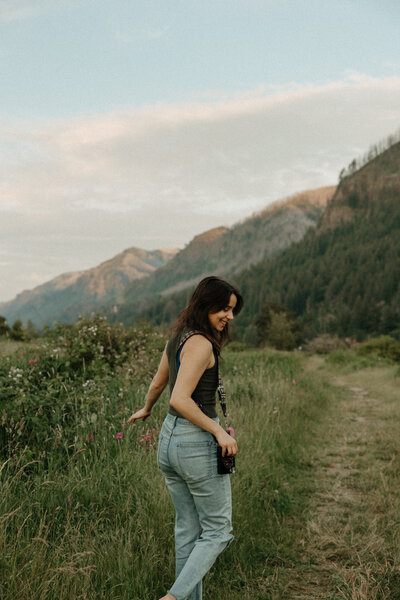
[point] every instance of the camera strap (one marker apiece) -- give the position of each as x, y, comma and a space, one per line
220, 387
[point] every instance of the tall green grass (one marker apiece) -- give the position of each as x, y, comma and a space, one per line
86, 515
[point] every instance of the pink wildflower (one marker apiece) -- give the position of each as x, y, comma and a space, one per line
90, 437
148, 438
119, 436
294, 382
231, 431
32, 362
68, 502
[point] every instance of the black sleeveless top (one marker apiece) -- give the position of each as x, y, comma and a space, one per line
204, 393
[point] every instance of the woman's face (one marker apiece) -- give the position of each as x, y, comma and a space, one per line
219, 319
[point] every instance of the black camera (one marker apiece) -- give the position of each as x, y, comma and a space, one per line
226, 464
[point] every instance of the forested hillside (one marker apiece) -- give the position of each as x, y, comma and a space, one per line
344, 276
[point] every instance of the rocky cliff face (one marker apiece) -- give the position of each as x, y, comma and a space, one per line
358, 190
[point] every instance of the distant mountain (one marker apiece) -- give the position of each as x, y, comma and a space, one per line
70, 294
224, 251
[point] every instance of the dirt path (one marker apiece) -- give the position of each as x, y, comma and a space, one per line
350, 542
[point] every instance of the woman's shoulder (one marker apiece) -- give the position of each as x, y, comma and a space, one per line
198, 348
192, 338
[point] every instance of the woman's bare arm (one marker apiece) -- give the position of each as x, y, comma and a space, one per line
155, 390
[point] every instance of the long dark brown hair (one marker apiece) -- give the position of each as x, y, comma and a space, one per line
211, 295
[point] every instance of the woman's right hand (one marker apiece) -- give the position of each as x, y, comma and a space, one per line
139, 414
227, 443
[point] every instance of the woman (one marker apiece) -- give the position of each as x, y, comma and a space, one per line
187, 447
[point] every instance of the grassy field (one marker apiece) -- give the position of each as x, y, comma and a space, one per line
85, 513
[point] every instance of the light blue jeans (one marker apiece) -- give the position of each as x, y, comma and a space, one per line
202, 499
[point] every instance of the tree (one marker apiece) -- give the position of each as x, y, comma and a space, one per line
280, 334
17, 330
4, 328
31, 330
278, 327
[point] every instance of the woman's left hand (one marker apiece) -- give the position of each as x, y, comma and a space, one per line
139, 414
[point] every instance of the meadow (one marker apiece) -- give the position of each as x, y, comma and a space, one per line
84, 511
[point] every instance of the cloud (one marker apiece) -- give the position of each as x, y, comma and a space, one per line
158, 175
15, 10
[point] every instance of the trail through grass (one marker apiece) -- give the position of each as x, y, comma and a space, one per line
349, 544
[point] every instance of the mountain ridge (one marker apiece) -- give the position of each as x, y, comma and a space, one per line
87, 289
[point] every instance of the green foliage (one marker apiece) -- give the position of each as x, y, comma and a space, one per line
17, 331
63, 388
280, 334
352, 361
237, 347
278, 327
384, 346
4, 328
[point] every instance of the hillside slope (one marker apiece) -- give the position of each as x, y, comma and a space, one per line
70, 294
223, 251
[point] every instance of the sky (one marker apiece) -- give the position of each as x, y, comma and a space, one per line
128, 123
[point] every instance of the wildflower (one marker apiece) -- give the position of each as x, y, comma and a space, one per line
294, 382
69, 501
120, 408
231, 431
119, 436
32, 362
148, 438
90, 437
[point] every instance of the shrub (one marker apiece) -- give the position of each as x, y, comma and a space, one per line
384, 346
324, 344
72, 383
278, 327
